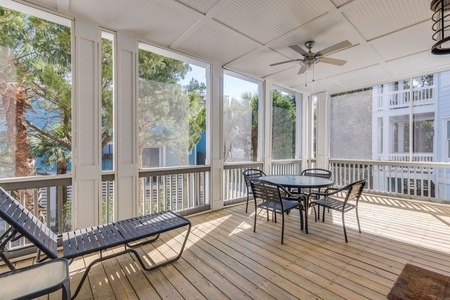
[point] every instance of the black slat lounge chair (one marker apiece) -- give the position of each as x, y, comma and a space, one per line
127, 233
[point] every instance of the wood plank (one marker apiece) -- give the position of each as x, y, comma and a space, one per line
225, 259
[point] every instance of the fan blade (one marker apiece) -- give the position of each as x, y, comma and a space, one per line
333, 61
302, 70
283, 62
333, 48
298, 49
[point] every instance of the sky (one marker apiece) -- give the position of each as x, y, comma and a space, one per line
233, 87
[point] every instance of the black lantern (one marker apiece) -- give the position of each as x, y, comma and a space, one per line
441, 26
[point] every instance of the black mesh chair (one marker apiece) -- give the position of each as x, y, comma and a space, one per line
274, 200
250, 174
350, 197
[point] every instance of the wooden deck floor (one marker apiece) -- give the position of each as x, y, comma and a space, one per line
225, 259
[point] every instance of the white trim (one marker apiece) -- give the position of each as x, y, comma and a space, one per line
38, 11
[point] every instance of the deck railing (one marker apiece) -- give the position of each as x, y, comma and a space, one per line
234, 189
185, 190
47, 199
404, 179
287, 167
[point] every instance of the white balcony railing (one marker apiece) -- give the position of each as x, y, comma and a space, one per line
184, 190
419, 180
416, 157
234, 188
422, 96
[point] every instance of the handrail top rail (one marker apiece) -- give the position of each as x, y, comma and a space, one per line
161, 171
392, 163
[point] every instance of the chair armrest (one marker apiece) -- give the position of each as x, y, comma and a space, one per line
328, 192
285, 194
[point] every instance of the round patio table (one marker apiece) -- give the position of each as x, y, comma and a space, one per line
300, 182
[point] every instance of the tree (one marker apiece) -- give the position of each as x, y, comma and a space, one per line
253, 98
169, 114
283, 128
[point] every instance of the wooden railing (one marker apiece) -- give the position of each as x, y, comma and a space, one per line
184, 190
287, 167
419, 180
234, 189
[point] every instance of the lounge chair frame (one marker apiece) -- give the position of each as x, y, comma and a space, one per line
129, 233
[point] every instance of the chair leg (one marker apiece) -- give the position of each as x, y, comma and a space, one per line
256, 212
246, 206
323, 213
343, 224
301, 217
357, 219
254, 222
282, 227
66, 290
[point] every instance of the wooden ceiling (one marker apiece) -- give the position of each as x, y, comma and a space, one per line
390, 39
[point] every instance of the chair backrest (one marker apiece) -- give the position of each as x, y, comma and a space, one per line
317, 173
30, 227
250, 174
355, 190
266, 191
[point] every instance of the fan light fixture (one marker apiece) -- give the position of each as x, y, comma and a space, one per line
441, 26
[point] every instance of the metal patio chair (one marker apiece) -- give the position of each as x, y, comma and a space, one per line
250, 174
351, 194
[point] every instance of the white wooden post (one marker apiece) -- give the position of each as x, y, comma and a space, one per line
322, 130
86, 112
267, 129
127, 175
215, 144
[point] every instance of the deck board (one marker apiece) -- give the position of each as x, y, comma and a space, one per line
225, 259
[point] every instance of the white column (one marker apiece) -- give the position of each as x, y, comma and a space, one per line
299, 124
216, 141
401, 137
127, 176
86, 112
267, 121
306, 128
322, 130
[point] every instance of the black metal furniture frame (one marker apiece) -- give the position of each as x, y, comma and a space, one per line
250, 174
352, 192
80, 242
275, 199
299, 182
44, 286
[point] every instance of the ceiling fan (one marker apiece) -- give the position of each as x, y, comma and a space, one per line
310, 58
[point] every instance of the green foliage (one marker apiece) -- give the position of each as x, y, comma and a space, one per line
41, 56
169, 114
283, 126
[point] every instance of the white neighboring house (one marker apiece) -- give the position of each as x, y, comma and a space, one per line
430, 108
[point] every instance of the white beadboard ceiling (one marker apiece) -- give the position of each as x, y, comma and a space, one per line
390, 39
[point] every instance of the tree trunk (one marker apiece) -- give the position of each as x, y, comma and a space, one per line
24, 162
